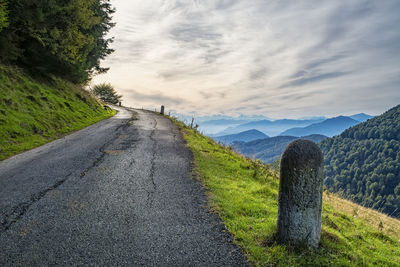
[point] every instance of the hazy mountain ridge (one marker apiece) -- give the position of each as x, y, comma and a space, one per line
361, 117
245, 136
363, 163
329, 127
268, 150
270, 128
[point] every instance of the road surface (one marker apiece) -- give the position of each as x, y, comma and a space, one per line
120, 192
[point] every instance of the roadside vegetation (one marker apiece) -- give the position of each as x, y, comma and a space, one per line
106, 93
245, 195
49, 50
34, 112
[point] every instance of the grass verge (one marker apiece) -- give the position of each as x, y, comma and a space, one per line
245, 195
34, 112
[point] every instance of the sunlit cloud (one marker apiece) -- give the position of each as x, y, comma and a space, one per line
275, 58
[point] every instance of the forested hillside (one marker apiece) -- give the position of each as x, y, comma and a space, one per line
363, 163
63, 38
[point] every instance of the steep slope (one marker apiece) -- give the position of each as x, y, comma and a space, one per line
363, 163
245, 195
270, 128
35, 112
268, 150
329, 127
245, 136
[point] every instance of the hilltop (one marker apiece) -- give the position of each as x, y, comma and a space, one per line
363, 163
361, 117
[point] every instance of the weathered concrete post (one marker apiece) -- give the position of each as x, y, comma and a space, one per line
162, 110
300, 194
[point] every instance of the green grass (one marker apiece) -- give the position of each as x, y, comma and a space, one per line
245, 195
34, 112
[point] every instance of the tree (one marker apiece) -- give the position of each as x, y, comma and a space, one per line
3, 14
65, 38
106, 93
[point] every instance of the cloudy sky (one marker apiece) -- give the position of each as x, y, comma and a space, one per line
275, 58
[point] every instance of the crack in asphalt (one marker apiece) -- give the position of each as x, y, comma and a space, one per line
152, 164
98, 160
18, 211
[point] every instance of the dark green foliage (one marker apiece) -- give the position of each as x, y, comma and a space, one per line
3, 14
106, 93
65, 38
363, 163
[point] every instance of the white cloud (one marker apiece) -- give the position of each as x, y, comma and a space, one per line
276, 58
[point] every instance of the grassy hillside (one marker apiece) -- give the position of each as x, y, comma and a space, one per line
35, 112
245, 195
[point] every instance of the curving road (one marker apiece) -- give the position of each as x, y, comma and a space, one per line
120, 192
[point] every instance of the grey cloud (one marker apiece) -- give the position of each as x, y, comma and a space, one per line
323, 61
257, 74
190, 33
158, 98
225, 4
313, 79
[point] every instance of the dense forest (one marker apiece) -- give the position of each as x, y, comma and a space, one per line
363, 163
53, 37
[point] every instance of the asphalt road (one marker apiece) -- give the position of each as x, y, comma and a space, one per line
120, 192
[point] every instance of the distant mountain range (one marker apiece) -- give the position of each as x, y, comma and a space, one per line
210, 125
220, 125
329, 127
270, 149
245, 136
214, 126
270, 128
251, 138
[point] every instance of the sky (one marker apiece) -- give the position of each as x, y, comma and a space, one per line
280, 59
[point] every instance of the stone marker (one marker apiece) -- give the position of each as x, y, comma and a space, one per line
300, 194
162, 110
